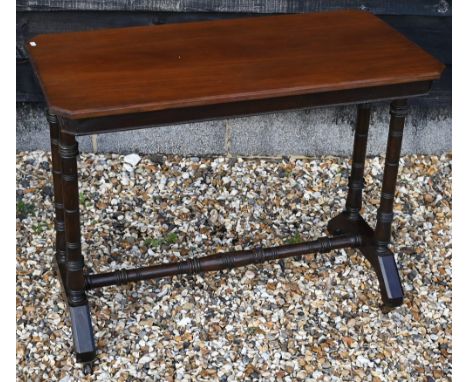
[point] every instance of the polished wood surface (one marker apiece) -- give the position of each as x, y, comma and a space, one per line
151, 68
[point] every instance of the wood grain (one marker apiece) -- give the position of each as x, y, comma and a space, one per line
433, 34
141, 69
413, 7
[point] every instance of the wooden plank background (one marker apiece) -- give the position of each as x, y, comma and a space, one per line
389, 7
426, 22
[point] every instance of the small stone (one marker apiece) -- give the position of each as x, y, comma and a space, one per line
317, 320
428, 198
132, 159
128, 167
250, 275
362, 361
144, 359
413, 274
45, 165
156, 158
214, 217
184, 321
48, 191
301, 375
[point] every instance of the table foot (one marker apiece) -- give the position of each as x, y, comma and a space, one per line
389, 278
381, 259
83, 337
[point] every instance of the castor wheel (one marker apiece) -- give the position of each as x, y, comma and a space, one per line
88, 368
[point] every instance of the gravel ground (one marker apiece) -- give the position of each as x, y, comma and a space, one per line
318, 319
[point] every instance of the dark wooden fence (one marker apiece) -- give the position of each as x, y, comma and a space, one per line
426, 22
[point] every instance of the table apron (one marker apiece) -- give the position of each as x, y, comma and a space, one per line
132, 121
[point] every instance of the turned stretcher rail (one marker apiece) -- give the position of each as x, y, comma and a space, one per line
221, 261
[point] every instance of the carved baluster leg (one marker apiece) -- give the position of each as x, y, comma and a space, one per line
75, 281
60, 256
391, 289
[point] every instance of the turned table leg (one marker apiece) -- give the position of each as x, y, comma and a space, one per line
60, 256
75, 281
350, 217
375, 242
390, 283
356, 180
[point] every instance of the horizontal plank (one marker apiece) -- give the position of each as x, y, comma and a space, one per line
413, 7
434, 34
27, 87
441, 93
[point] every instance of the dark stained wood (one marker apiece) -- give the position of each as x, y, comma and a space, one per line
68, 150
419, 7
28, 90
60, 243
213, 70
220, 261
382, 262
431, 33
356, 179
133, 121
434, 34
142, 69
32, 23
398, 112
375, 243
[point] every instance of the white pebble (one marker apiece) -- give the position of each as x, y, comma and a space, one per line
132, 159
184, 321
250, 275
144, 359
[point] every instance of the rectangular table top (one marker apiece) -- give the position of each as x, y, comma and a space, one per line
139, 69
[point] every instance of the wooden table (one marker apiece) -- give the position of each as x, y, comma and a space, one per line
119, 79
